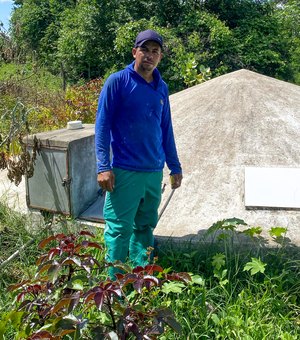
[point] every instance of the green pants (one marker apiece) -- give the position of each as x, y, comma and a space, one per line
131, 214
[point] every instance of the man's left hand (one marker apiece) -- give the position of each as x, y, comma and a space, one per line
176, 181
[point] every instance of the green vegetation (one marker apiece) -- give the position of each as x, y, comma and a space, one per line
248, 293
30, 75
88, 39
14, 234
219, 289
52, 68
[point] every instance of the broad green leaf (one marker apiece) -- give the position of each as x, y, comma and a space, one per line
172, 287
234, 222
198, 280
76, 284
255, 266
223, 282
190, 255
224, 273
226, 224
67, 324
81, 277
216, 226
218, 261
277, 231
252, 231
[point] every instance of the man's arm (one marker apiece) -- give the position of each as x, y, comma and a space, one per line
108, 101
169, 146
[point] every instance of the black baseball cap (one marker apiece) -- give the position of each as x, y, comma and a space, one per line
147, 35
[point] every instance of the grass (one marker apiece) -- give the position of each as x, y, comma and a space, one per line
260, 306
225, 300
28, 74
14, 233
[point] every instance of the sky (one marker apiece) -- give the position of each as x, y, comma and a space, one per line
5, 11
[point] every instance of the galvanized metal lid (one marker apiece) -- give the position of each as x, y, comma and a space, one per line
61, 138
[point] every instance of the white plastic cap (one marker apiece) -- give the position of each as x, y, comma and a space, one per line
75, 124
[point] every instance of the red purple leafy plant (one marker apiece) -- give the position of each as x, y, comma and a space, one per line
71, 296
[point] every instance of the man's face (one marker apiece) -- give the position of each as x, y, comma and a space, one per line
148, 56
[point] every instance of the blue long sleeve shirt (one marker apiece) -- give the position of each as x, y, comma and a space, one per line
134, 118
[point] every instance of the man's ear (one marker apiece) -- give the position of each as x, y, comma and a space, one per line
134, 50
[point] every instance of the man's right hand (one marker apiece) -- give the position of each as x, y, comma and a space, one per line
175, 181
106, 180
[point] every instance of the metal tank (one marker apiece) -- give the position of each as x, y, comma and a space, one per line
64, 179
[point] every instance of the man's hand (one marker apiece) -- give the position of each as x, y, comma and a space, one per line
106, 180
175, 180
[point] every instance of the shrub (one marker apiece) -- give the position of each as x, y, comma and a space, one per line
82, 101
70, 294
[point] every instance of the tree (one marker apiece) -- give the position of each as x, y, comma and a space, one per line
29, 23
259, 47
232, 12
85, 43
88, 39
288, 15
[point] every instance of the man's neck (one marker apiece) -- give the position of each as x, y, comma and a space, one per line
148, 76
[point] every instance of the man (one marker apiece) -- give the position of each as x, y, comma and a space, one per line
133, 118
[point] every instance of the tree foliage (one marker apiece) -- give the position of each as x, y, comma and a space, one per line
288, 16
90, 39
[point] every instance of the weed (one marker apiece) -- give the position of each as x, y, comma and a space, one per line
244, 293
233, 292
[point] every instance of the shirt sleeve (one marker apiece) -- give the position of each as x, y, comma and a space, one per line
169, 145
107, 106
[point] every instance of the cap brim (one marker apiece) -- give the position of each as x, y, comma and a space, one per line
141, 43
